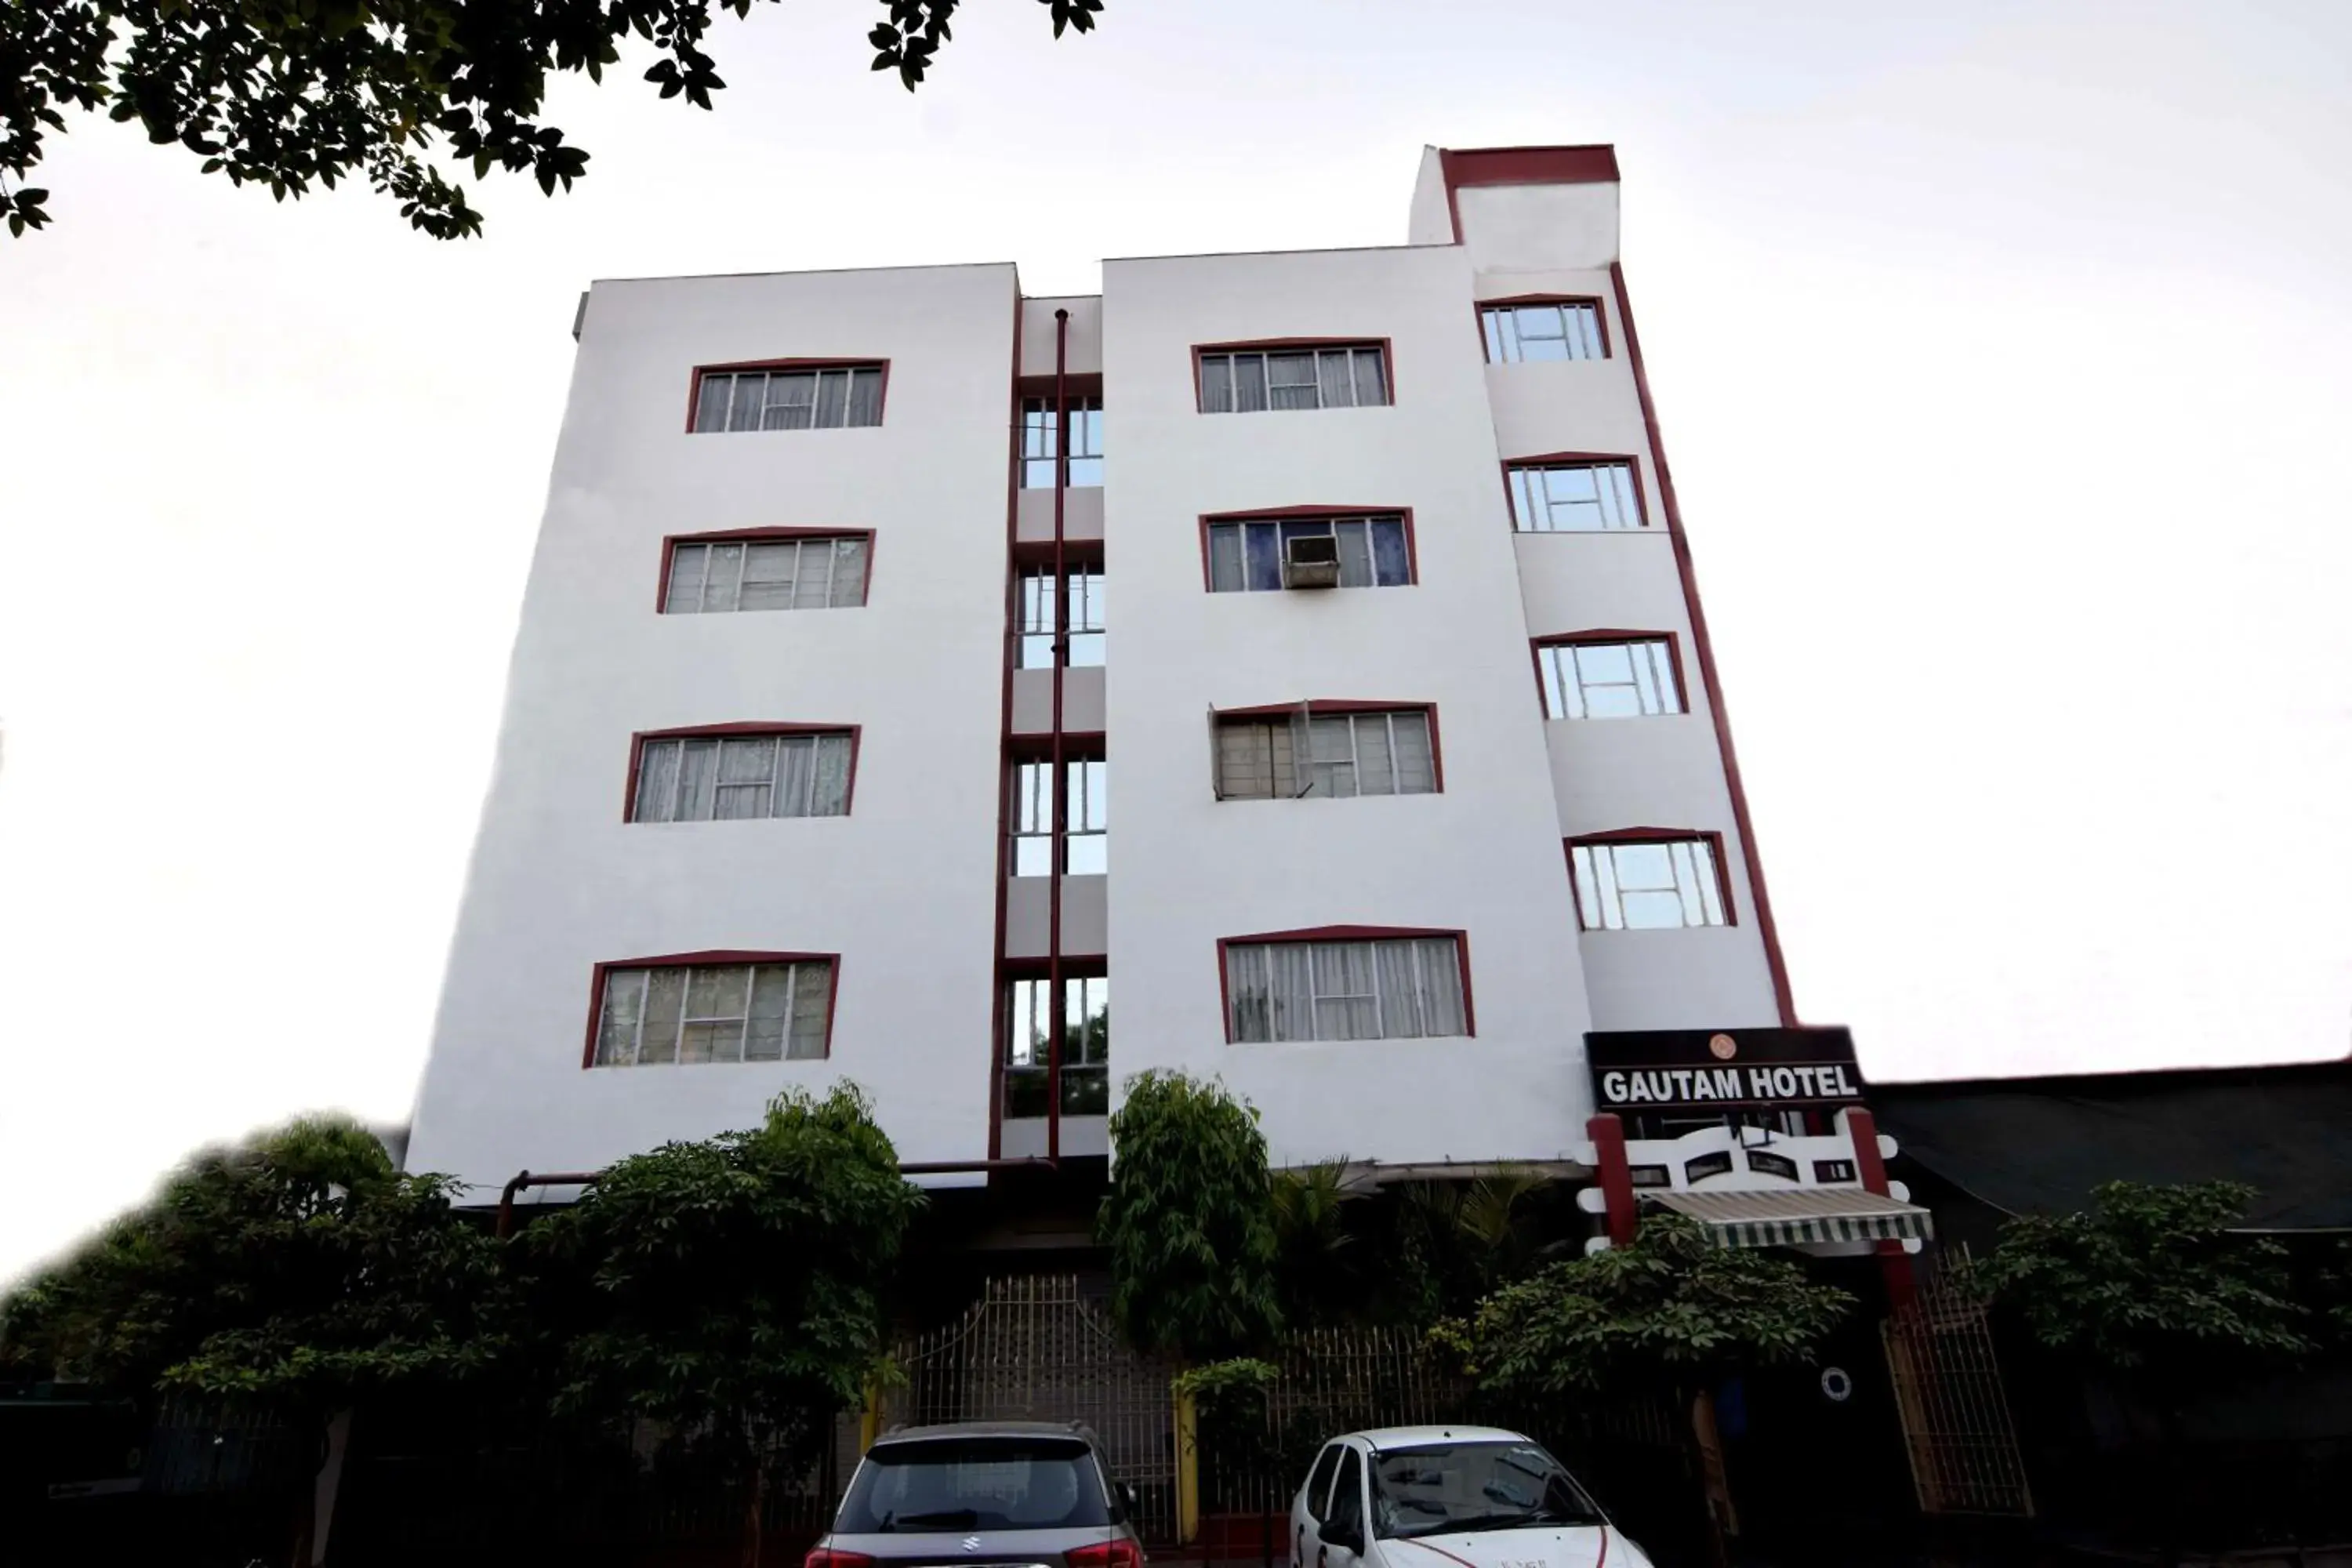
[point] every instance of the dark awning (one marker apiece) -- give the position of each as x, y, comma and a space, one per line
2040, 1145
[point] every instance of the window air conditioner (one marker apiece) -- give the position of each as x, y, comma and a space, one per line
1310, 561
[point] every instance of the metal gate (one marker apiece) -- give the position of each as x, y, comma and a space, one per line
1032, 1349
1956, 1420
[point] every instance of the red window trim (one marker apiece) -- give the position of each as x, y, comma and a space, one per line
1577, 460
1273, 345
1593, 164
711, 957
1310, 513
1600, 309
881, 403
1351, 705
745, 728
1345, 933
1607, 635
670, 542
1570, 845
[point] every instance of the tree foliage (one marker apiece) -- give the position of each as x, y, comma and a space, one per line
292, 93
733, 1287
299, 1266
1671, 1307
1188, 1220
2152, 1280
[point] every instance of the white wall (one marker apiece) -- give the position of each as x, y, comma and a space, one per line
1484, 855
903, 888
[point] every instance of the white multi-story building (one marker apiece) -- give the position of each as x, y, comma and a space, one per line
1302, 645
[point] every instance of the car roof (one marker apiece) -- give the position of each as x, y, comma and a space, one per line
1418, 1436
987, 1429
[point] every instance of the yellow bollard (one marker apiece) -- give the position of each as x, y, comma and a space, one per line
869, 1420
1188, 1469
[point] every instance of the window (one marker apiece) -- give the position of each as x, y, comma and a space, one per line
814, 574
1399, 988
1040, 431
1609, 680
1374, 552
1347, 1515
1318, 1481
1086, 843
735, 778
816, 398
1649, 885
1554, 328
1446, 1489
1086, 1047
986, 1481
1349, 375
680, 1014
1574, 497
1384, 751
1085, 617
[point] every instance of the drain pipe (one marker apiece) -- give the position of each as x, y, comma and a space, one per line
1061, 791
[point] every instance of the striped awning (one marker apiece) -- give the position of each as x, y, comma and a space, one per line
1792, 1217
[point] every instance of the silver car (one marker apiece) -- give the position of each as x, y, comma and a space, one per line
1025, 1493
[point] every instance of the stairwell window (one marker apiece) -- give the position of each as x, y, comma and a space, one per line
814, 573
1651, 884
737, 778
685, 1014
1378, 989
1246, 557
1086, 837
1302, 752
1086, 646
1543, 330
1255, 381
1041, 435
1086, 1047
787, 397
1574, 497
1631, 680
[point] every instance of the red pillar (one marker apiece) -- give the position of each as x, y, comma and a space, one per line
1894, 1263
1608, 1135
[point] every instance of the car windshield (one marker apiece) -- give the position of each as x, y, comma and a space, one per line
974, 1483
1444, 1488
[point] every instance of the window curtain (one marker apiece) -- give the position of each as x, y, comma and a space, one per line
657, 782
767, 574
1335, 380
1439, 962
865, 396
772, 1011
812, 1002
829, 791
664, 1005
848, 572
1347, 999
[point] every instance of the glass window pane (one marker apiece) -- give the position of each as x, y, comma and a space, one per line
1667, 691
767, 576
791, 401
865, 397
617, 1031
1347, 1002
1375, 769
771, 1008
744, 412
1541, 335
1225, 558
848, 573
831, 399
1246, 993
1264, 556
1527, 516
1372, 378
795, 775
1584, 332
829, 793
1561, 697
811, 1006
1392, 563
657, 781
686, 565
698, 776
711, 403
1624, 508
746, 769
1216, 383
1249, 383
1439, 967
1335, 384
1290, 380
1416, 764
1492, 320
1355, 555
726, 567
813, 587
665, 1000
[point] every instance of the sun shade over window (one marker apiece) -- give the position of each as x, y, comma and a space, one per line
964, 1484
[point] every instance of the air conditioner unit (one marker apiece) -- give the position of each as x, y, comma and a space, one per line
1310, 561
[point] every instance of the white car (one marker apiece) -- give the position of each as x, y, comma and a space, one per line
1425, 1496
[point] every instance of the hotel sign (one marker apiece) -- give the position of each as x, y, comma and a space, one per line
1723, 1070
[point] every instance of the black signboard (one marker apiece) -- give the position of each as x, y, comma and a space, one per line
1723, 1070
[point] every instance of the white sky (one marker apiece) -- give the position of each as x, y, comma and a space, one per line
2002, 358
